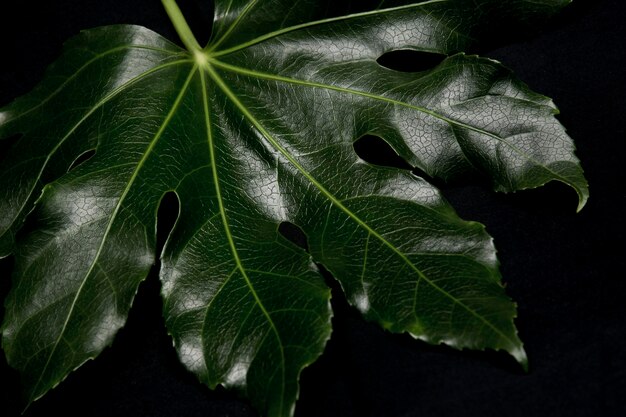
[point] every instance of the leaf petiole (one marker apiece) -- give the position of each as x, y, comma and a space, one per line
181, 26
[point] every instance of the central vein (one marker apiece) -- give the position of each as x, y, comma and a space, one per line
227, 229
337, 203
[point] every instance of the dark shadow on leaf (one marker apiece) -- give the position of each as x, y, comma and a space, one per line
422, 174
31, 224
377, 151
462, 178
166, 218
406, 60
6, 145
294, 234
82, 158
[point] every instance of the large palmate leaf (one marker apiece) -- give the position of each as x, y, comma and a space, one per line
252, 131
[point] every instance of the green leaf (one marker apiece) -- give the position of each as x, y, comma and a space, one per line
253, 130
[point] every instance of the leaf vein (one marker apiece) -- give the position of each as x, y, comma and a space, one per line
229, 236
108, 229
337, 203
424, 110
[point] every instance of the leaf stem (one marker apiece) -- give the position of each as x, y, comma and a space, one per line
181, 26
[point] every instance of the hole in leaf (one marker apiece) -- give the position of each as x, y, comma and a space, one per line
406, 60
82, 158
8, 143
166, 218
377, 151
294, 234
419, 173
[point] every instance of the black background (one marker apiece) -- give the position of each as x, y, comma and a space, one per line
565, 270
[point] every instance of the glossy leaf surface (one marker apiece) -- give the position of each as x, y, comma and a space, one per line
254, 130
